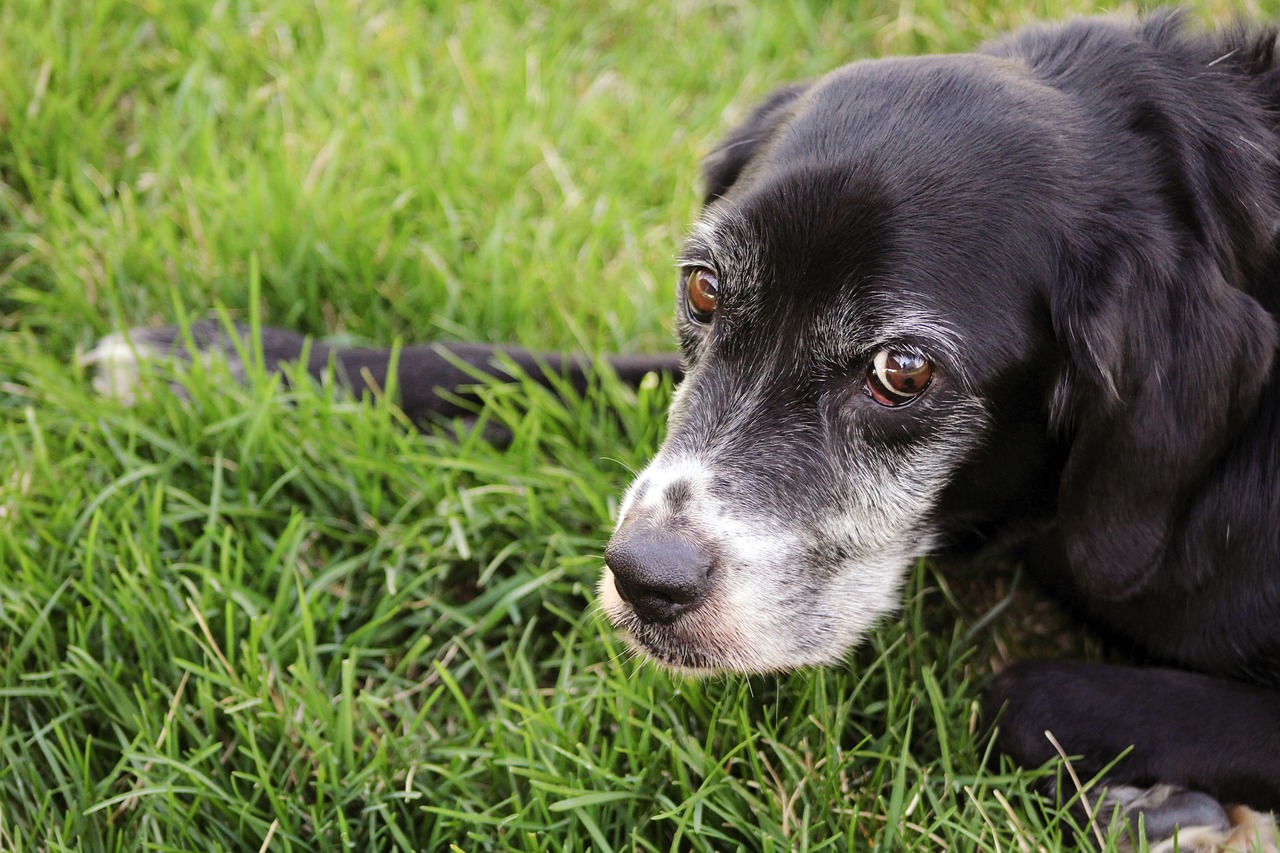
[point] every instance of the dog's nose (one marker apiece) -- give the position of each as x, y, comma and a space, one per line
659, 575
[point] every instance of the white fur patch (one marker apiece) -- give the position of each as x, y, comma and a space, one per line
647, 494
115, 360
774, 604
1250, 832
1243, 830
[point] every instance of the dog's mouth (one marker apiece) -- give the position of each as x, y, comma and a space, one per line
689, 645
706, 574
658, 647
702, 650
720, 638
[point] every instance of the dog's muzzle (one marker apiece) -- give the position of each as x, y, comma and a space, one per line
658, 573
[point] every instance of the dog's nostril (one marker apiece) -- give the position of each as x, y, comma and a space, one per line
654, 600
660, 576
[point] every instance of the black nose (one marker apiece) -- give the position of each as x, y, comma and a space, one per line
659, 575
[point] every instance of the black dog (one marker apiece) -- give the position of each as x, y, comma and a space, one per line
1028, 294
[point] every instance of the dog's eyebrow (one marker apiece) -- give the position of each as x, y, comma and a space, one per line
698, 248
856, 333
703, 244
935, 335
720, 238
694, 255
908, 324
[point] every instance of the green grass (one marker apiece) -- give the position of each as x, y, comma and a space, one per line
270, 618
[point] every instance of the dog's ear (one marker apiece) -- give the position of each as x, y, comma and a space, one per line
1166, 352
724, 165
1161, 372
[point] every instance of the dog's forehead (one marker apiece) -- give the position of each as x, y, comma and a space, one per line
806, 229
889, 207
818, 255
922, 111
954, 145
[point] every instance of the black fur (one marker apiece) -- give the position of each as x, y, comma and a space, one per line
1096, 213
1093, 210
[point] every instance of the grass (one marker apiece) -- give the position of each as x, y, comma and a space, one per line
269, 618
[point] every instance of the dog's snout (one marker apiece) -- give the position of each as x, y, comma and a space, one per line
661, 576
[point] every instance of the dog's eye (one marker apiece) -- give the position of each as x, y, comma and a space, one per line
701, 288
896, 377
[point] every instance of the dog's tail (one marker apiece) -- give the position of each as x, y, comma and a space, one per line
435, 381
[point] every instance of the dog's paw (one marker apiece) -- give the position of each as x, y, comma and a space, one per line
1177, 819
1252, 832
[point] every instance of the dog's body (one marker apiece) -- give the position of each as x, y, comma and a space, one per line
1071, 237
1029, 294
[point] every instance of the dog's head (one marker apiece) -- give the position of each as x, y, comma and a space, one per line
920, 294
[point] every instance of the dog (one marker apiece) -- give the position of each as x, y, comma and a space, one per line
1024, 296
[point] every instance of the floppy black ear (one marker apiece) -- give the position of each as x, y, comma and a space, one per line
1166, 351
1162, 372
724, 165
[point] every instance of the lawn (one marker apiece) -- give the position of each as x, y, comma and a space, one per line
267, 617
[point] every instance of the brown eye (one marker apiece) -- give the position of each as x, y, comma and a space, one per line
896, 377
701, 287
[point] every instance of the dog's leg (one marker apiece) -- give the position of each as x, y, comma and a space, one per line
429, 376
1193, 741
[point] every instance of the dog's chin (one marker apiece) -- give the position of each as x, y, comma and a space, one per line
675, 657
705, 642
